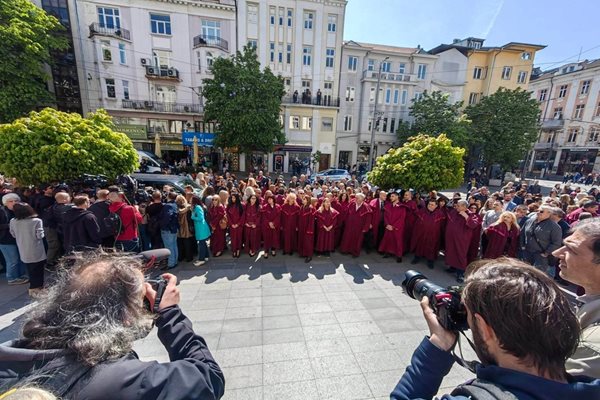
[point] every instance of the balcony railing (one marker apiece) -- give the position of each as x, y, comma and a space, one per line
545, 146
97, 29
323, 101
389, 76
157, 106
553, 124
211, 41
162, 72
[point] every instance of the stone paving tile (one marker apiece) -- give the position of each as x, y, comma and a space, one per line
272, 311
243, 312
277, 291
321, 332
240, 339
281, 321
325, 318
251, 393
284, 352
382, 383
206, 315
306, 298
380, 361
336, 365
313, 308
203, 304
363, 328
340, 296
287, 371
245, 293
328, 347
285, 335
239, 356
243, 376
278, 300
242, 325
370, 294
213, 294
369, 344
291, 391
245, 302
395, 325
208, 327
375, 303
347, 305
386, 313
349, 387
353, 316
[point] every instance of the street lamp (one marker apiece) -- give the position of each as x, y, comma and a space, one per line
374, 123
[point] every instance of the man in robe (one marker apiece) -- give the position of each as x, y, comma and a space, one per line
459, 231
393, 238
357, 224
377, 223
289, 223
427, 233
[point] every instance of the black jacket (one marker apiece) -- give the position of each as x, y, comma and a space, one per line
167, 218
81, 230
101, 211
5, 216
191, 374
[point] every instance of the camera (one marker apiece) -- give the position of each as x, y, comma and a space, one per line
445, 302
159, 285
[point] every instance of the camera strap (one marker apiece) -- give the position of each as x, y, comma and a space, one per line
470, 365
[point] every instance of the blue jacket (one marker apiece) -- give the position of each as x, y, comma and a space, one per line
430, 364
201, 228
167, 219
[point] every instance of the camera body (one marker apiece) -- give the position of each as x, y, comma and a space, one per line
159, 285
445, 302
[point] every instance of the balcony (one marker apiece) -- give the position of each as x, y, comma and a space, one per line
162, 72
211, 41
119, 33
546, 146
157, 106
324, 101
553, 124
390, 76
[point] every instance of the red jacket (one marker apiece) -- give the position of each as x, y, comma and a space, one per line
130, 219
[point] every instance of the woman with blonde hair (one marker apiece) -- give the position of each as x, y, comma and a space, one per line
186, 232
502, 237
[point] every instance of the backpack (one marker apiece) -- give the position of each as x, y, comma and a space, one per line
113, 222
483, 390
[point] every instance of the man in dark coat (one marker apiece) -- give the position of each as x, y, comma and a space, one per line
101, 211
81, 230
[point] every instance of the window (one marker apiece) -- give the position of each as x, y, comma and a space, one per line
522, 77
125, 90
305, 84
272, 51
307, 55
253, 13
526, 55
272, 15
372, 95
253, 43
585, 87
294, 122
386, 66
211, 29
350, 92
370, 124
473, 98
106, 51
388, 95
329, 57
281, 15
543, 94
404, 97
396, 96
573, 132
290, 17
308, 20
370, 64
402, 68
348, 123
562, 91
550, 138
418, 96
578, 114
160, 24
477, 73
306, 123
594, 134
558, 113
122, 55
352, 63
506, 72
385, 123
209, 59
421, 71
161, 58
110, 88
331, 23
109, 18
327, 124
199, 60
393, 125
280, 53
288, 56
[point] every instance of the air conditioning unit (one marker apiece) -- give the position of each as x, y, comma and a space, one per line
151, 70
148, 104
172, 72
145, 61
186, 108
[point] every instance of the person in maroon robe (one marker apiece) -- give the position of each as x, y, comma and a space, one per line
341, 206
475, 245
252, 225
427, 232
326, 218
502, 236
289, 224
377, 224
235, 221
357, 224
459, 229
217, 214
393, 219
270, 226
306, 230
411, 204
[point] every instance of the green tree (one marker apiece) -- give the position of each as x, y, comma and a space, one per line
423, 163
505, 125
26, 34
53, 145
245, 103
434, 114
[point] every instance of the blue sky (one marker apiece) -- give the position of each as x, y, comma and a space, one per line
566, 27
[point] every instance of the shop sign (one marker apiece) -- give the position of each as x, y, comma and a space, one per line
136, 132
204, 139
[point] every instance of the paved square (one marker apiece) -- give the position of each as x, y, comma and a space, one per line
337, 328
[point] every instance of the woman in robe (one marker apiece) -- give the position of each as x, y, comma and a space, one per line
252, 225
235, 221
217, 220
326, 218
289, 223
502, 237
270, 226
306, 229
394, 216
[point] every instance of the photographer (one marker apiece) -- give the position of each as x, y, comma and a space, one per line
523, 332
77, 343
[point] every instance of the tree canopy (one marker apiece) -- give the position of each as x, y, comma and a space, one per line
244, 102
52, 145
505, 125
434, 114
26, 34
423, 163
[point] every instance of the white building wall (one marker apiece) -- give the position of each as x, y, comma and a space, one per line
449, 74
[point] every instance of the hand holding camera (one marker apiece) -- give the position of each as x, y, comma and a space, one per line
162, 293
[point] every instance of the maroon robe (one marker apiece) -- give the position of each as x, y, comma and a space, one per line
306, 231
326, 239
473, 252
393, 240
410, 222
501, 241
270, 235
279, 199
357, 224
342, 209
458, 237
289, 227
376, 219
217, 238
252, 228
427, 233
235, 217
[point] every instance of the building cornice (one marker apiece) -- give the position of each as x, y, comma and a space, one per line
201, 4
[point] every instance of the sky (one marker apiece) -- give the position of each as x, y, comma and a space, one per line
565, 27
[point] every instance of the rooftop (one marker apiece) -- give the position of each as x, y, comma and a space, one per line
384, 48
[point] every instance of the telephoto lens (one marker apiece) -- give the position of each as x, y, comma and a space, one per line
418, 286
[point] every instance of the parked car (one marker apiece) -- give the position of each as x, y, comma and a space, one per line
333, 174
178, 182
151, 162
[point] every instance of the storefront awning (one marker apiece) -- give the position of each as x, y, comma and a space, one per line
299, 149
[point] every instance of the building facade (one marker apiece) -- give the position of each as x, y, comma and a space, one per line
569, 137
405, 74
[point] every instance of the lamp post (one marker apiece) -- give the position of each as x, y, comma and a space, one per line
374, 123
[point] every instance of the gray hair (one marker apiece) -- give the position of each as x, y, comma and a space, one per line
590, 228
10, 196
94, 309
463, 203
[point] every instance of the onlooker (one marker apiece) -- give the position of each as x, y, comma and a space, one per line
16, 271
201, 229
127, 236
153, 213
185, 233
169, 225
81, 230
100, 209
539, 238
55, 230
589, 206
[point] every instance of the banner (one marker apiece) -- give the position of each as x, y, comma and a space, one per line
133, 131
204, 139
